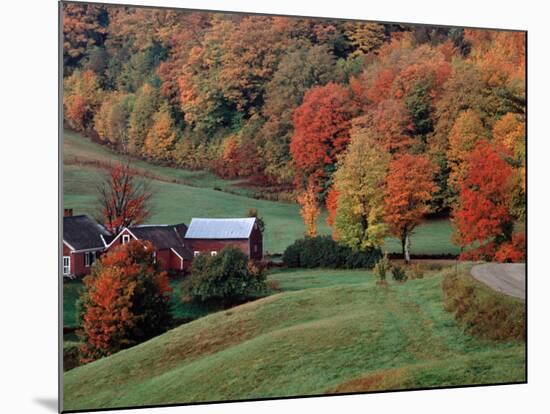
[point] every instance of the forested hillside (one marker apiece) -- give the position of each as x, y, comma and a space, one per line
380, 124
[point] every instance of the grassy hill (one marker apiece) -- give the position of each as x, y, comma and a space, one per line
181, 194
354, 336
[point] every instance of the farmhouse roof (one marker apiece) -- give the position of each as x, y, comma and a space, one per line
183, 252
226, 228
162, 236
83, 233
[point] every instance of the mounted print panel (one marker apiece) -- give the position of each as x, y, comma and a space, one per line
260, 207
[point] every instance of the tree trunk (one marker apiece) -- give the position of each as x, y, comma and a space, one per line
407, 248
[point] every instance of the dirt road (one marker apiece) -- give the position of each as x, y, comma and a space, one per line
507, 278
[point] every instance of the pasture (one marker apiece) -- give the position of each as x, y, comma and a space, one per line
331, 337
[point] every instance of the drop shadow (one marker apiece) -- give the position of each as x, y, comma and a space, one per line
49, 403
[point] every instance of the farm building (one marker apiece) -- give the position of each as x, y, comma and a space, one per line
83, 241
175, 245
209, 236
171, 252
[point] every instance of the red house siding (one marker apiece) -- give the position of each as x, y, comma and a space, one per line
78, 262
256, 247
166, 258
207, 246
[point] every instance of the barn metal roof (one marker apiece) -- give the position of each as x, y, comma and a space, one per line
226, 228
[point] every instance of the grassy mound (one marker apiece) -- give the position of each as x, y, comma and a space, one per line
352, 336
482, 311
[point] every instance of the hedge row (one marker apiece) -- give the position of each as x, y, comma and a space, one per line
323, 251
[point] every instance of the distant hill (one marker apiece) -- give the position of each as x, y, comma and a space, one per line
182, 194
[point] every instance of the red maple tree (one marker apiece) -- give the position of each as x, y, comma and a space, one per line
482, 217
321, 132
125, 301
409, 188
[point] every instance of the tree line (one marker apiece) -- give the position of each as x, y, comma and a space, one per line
379, 124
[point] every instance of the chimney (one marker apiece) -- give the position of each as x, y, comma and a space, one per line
67, 212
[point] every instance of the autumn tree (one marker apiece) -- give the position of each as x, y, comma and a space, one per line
365, 37
465, 133
309, 210
482, 217
321, 132
111, 120
161, 138
123, 199
141, 119
81, 99
509, 131
360, 181
84, 26
300, 69
125, 301
409, 188
250, 54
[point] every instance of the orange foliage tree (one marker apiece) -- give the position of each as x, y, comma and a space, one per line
81, 99
409, 188
309, 210
161, 138
465, 133
125, 301
321, 132
482, 217
123, 200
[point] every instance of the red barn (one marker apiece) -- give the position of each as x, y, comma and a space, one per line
83, 241
209, 236
170, 251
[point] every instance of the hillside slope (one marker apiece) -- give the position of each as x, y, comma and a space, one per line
182, 194
353, 337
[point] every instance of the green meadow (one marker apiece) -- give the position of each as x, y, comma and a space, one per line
326, 332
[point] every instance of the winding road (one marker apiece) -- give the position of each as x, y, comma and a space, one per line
507, 278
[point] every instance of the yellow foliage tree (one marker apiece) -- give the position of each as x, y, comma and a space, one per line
161, 138
309, 210
360, 181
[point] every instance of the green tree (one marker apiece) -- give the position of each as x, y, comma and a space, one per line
223, 279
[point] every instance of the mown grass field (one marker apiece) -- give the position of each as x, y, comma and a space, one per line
181, 195
330, 331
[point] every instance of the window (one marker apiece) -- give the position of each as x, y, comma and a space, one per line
154, 257
196, 253
87, 259
66, 265
213, 253
125, 238
255, 248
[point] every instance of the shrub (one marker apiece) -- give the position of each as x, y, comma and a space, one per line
398, 273
483, 312
225, 279
382, 267
512, 251
414, 271
71, 355
323, 251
